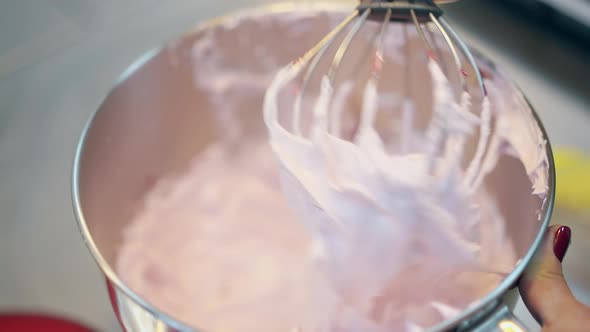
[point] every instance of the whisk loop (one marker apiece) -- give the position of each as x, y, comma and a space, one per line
451, 110
341, 183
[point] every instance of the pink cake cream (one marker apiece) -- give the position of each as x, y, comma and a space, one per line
341, 229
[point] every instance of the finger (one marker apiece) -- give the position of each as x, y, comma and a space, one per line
543, 287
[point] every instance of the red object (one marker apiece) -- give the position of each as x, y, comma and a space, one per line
23, 322
113, 298
561, 242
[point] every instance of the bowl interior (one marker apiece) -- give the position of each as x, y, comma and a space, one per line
158, 118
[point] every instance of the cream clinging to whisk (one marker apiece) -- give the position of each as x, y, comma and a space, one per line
369, 190
419, 14
452, 123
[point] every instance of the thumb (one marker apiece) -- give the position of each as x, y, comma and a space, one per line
543, 287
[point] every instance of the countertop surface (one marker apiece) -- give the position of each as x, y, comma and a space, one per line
58, 59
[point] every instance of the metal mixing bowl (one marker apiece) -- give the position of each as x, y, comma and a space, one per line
154, 122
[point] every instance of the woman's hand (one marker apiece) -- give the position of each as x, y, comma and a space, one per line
545, 291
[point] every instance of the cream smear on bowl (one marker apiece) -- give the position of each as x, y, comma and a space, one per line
272, 235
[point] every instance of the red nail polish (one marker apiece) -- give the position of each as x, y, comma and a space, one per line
561, 242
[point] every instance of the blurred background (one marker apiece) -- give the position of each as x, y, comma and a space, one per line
58, 59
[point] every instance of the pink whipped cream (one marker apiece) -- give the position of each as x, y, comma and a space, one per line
323, 232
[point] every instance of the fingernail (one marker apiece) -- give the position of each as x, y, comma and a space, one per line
561, 242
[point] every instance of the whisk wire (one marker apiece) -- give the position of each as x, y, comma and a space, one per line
370, 103
379, 54
345, 46
421, 33
465, 50
453, 50
315, 55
